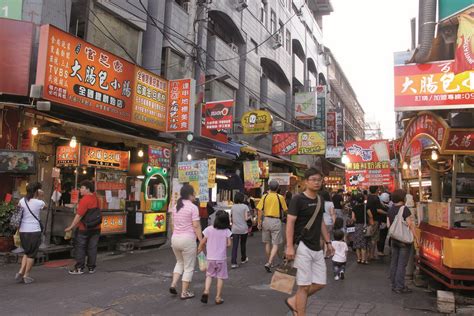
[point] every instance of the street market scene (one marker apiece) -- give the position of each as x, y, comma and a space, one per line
236, 157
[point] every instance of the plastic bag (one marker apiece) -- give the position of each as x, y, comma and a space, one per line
16, 239
202, 261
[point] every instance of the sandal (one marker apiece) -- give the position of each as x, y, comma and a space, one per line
186, 295
173, 290
204, 298
219, 301
290, 307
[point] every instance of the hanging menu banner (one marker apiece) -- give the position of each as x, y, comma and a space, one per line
188, 171
181, 105
104, 158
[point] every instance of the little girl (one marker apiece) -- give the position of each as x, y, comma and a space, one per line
340, 255
217, 238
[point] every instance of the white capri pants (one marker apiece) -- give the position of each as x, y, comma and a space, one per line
184, 249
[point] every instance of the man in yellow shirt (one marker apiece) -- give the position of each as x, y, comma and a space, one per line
271, 207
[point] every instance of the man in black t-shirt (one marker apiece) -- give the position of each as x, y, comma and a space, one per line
309, 257
378, 211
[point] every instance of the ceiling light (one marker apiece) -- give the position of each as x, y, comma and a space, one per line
189, 157
140, 153
34, 131
221, 176
73, 142
434, 155
405, 165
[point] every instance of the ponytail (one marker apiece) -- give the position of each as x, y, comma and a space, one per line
186, 192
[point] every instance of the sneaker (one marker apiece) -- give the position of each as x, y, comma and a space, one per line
19, 277
234, 266
28, 280
268, 267
245, 261
76, 271
341, 275
91, 270
336, 278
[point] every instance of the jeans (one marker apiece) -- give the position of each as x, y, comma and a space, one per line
235, 247
338, 267
400, 255
382, 238
85, 243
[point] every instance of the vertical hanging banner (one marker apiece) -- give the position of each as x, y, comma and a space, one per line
464, 54
181, 105
285, 144
251, 174
203, 181
212, 163
331, 130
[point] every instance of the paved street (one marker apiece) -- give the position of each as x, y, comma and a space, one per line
137, 284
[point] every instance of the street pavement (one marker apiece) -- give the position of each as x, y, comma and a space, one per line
137, 284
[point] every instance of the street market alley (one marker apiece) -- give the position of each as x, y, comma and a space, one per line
137, 284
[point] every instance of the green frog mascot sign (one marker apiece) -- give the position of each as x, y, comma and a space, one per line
155, 187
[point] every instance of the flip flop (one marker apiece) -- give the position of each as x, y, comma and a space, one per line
290, 307
220, 301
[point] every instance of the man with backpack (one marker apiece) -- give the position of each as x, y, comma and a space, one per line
87, 220
271, 207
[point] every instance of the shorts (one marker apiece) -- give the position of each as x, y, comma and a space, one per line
217, 269
272, 231
30, 242
310, 265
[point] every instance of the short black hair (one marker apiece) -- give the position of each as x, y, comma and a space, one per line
222, 220
340, 191
31, 190
399, 196
359, 198
326, 196
365, 192
238, 198
373, 189
88, 184
338, 223
338, 235
311, 172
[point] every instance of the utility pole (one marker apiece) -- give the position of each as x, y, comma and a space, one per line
191, 41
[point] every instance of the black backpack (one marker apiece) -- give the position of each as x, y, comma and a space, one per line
92, 218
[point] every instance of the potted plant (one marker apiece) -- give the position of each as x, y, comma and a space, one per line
6, 232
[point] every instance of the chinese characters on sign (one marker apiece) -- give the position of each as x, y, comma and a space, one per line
150, 100
159, 156
311, 143
459, 141
113, 224
331, 131
212, 172
219, 115
67, 156
257, 122
188, 171
252, 174
432, 86
181, 105
104, 158
203, 193
285, 144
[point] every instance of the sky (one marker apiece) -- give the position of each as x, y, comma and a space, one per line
363, 35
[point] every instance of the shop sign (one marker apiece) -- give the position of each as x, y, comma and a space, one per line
416, 148
219, 114
11, 9
218, 135
464, 54
67, 156
430, 247
17, 161
113, 224
251, 174
331, 130
159, 156
305, 105
264, 169
74, 196
368, 151
181, 105
433, 86
203, 193
150, 100
424, 124
334, 151
104, 158
257, 122
281, 178
438, 214
176, 186
212, 163
188, 171
415, 162
311, 143
365, 178
15, 56
285, 144
78, 74
459, 141
154, 223
320, 120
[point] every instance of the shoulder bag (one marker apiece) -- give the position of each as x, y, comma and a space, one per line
399, 229
41, 225
17, 217
369, 230
311, 221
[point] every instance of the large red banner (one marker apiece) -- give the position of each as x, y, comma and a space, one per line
219, 114
285, 144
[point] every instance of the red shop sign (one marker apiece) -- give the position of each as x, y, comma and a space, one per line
430, 248
67, 156
219, 114
331, 131
285, 144
365, 151
424, 124
459, 141
181, 105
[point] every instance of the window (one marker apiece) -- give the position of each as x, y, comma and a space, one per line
288, 41
263, 12
273, 22
253, 104
253, 46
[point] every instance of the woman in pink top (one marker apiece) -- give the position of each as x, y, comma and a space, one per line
186, 228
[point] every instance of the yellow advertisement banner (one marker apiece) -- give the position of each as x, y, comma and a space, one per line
154, 223
311, 143
212, 163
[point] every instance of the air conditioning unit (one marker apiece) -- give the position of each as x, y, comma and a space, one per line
242, 4
234, 47
278, 40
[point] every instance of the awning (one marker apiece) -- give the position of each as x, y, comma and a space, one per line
248, 150
294, 163
230, 150
264, 156
342, 167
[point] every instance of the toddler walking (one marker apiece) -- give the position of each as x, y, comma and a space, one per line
217, 239
340, 255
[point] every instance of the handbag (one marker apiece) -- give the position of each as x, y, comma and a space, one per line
399, 229
310, 223
284, 278
41, 225
17, 217
368, 230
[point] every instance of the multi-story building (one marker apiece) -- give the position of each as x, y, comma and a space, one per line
343, 100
